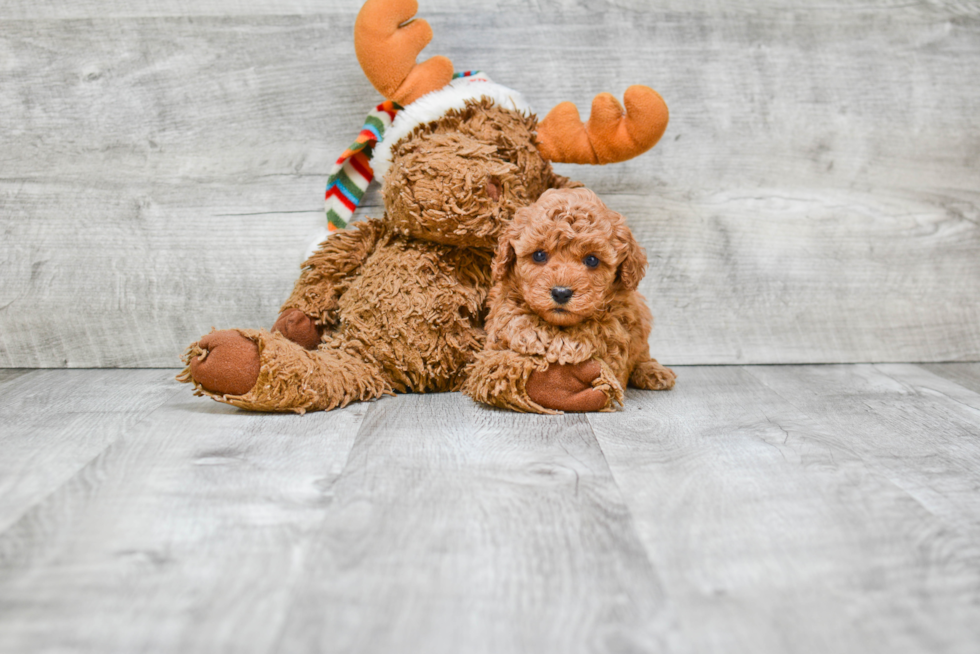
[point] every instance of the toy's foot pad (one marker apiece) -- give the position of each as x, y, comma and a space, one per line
229, 364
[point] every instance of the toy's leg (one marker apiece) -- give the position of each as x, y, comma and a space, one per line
652, 376
288, 378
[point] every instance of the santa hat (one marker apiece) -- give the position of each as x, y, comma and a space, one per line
465, 87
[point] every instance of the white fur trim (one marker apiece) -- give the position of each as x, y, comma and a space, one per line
322, 234
433, 106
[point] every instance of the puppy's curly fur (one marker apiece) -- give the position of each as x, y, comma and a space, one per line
564, 299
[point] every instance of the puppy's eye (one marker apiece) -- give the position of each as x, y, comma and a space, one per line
540, 256
591, 261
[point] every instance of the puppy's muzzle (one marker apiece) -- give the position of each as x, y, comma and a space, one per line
561, 294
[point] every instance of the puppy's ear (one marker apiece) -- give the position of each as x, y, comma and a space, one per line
503, 260
505, 257
634, 265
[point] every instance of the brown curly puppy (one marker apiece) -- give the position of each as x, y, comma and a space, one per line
567, 329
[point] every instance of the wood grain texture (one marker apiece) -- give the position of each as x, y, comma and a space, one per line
807, 509
783, 509
168, 273
451, 528
814, 198
807, 277
54, 422
187, 534
10, 374
964, 374
918, 429
458, 528
27, 10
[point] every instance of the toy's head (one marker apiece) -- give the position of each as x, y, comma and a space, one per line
567, 255
462, 155
459, 179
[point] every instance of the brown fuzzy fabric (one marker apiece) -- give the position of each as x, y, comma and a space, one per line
401, 300
292, 378
605, 319
459, 180
329, 271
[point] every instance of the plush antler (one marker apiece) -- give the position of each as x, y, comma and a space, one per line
610, 135
387, 41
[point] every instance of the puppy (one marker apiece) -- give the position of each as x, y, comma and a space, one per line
567, 329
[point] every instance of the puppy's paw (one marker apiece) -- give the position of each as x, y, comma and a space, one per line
568, 387
652, 376
224, 363
299, 328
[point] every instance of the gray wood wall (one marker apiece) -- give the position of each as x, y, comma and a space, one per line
816, 197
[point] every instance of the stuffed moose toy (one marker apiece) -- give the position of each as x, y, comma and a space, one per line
397, 304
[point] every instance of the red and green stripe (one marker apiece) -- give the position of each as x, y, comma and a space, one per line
352, 174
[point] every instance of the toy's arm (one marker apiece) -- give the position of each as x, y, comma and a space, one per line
325, 276
499, 378
519, 382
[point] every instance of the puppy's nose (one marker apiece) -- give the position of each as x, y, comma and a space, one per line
560, 294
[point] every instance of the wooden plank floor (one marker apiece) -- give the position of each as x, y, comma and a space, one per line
752, 509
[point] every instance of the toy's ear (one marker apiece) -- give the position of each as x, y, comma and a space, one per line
634, 265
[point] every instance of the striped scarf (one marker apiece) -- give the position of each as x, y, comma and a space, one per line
352, 174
